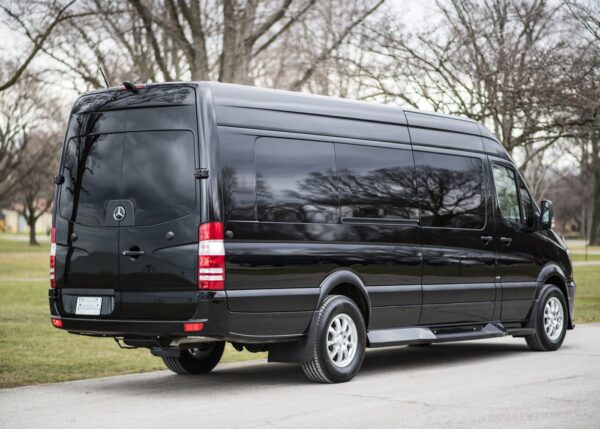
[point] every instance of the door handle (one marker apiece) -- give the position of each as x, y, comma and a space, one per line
132, 253
506, 240
487, 239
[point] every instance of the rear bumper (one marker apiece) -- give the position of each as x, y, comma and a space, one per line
117, 327
212, 311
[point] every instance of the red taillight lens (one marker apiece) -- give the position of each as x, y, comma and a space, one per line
211, 256
56, 323
53, 261
211, 231
193, 327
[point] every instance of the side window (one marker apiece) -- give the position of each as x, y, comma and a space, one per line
527, 205
295, 181
506, 190
376, 182
450, 190
238, 175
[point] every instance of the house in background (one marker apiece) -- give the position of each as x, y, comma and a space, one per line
12, 221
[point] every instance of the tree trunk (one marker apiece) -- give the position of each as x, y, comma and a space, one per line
595, 166
31, 221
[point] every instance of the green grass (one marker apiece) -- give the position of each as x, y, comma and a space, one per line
11, 246
577, 257
587, 299
32, 351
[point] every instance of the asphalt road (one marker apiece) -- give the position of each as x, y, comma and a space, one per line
489, 383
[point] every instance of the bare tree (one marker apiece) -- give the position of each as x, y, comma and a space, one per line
33, 194
318, 53
21, 112
587, 13
586, 142
500, 62
37, 21
185, 39
282, 43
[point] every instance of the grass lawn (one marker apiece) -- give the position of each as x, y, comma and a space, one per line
587, 299
575, 257
32, 351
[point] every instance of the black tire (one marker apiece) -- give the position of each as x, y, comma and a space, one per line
321, 368
542, 340
200, 360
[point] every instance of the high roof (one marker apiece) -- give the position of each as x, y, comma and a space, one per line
232, 95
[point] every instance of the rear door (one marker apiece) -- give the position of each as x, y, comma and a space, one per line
158, 243
128, 213
158, 239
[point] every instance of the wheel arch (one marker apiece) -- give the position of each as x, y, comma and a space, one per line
340, 282
349, 284
554, 275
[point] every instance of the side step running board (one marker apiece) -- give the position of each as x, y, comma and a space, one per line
403, 336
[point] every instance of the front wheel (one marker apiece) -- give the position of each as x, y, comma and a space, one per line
550, 322
340, 342
199, 360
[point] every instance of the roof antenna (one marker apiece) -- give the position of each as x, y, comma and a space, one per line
104, 77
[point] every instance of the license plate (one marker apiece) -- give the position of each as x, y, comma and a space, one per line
88, 306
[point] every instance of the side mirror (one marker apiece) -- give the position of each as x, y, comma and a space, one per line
546, 215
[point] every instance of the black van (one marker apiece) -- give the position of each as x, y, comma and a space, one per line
192, 214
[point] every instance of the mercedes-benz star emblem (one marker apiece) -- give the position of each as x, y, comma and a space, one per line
119, 213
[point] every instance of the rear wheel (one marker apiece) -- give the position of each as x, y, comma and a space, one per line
340, 342
199, 360
551, 322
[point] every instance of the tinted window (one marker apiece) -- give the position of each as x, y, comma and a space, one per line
376, 182
295, 181
158, 175
506, 191
527, 206
238, 176
92, 171
450, 190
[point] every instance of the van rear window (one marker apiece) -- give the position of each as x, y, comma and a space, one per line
158, 175
153, 169
92, 172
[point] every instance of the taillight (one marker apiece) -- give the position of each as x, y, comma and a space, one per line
211, 256
56, 323
193, 327
53, 257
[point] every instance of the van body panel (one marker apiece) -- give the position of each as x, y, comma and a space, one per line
430, 120
403, 201
242, 96
450, 140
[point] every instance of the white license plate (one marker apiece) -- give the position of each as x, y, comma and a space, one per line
88, 306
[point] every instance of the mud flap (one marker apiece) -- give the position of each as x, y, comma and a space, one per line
298, 351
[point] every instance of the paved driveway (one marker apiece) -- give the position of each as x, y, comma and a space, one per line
491, 383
